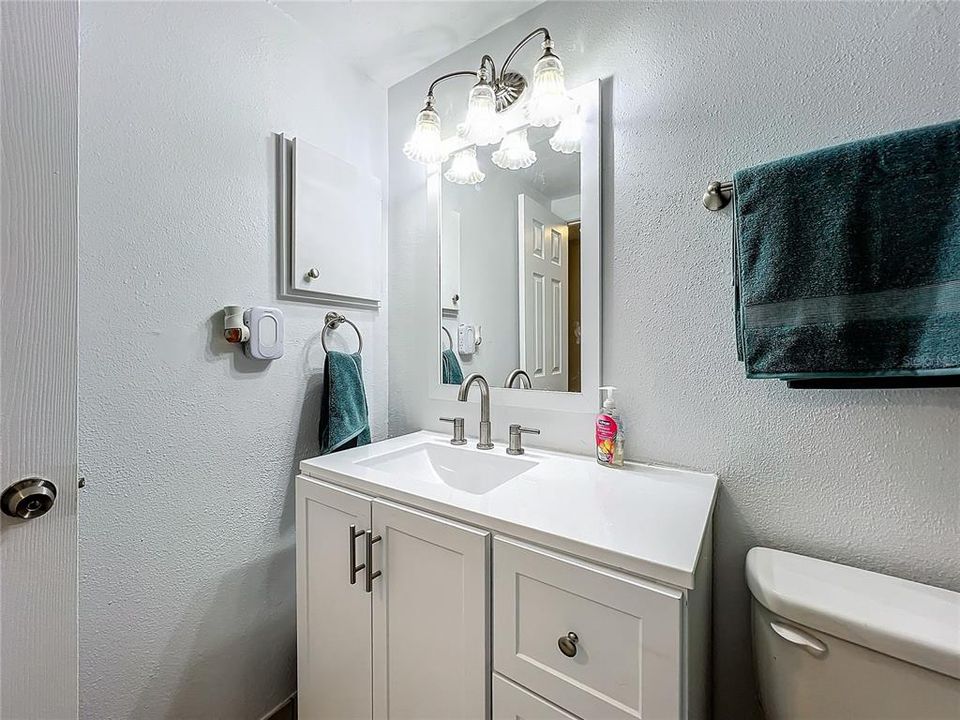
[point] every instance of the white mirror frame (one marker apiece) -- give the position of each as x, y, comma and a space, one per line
588, 97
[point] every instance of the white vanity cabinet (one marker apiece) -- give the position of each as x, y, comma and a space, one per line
565, 591
413, 645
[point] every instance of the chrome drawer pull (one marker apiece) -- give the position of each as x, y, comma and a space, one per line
568, 644
354, 568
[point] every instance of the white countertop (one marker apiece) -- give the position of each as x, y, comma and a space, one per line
644, 519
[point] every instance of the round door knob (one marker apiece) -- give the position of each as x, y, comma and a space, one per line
568, 644
29, 498
313, 273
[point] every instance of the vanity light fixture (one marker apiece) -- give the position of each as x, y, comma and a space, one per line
464, 169
426, 145
549, 103
483, 126
515, 152
494, 92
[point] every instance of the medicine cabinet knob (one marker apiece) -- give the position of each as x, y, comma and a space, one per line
568, 644
313, 273
29, 498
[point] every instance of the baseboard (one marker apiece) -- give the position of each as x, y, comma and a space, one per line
286, 710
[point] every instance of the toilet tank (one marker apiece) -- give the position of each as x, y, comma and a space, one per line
835, 642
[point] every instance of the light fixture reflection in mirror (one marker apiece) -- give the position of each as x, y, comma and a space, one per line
464, 169
514, 152
566, 139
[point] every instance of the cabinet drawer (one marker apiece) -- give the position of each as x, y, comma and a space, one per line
626, 660
512, 702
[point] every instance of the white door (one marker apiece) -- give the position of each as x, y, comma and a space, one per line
38, 359
430, 617
544, 295
333, 606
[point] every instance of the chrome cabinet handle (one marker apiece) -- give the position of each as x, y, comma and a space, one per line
568, 644
354, 568
370, 576
313, 273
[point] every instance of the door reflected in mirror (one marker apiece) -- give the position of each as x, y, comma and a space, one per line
510, 270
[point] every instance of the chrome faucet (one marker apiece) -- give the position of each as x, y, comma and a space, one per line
518, 373
484, 443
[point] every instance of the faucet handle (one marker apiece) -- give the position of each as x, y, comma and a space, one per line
516, 431
458, 435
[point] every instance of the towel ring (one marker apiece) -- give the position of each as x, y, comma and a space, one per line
449, 336
332, 321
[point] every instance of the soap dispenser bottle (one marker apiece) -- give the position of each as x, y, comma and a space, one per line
609, 431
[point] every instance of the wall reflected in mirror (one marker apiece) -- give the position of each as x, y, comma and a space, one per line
510, 280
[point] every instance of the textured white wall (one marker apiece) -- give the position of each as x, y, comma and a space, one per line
189, 449
695, 91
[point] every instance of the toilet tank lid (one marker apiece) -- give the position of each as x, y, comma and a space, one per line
917, 623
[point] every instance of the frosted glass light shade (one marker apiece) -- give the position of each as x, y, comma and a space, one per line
464, 169
566, 139
426, 145
514, 152
483, 126
549, 103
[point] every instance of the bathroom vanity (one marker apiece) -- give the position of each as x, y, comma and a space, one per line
436, 581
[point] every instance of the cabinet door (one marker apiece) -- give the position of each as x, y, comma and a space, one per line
334, 672
430, 617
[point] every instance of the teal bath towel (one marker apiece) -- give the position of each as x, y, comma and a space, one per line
847, 260
450, 368
344, 422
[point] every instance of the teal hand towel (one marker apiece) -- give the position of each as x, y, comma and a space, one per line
450, 369
847, 260
344, 422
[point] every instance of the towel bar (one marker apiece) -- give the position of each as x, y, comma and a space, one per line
718, 195
332, 321
449, 336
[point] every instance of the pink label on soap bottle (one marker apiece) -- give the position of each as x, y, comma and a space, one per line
606, 438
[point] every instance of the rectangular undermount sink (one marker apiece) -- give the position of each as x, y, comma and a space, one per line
467, 470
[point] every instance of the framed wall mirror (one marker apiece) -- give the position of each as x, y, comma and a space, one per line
518, 282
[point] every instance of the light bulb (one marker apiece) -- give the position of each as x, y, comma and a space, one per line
566, 139
549, 103
483, 126
464, 169
514, 152
426, 145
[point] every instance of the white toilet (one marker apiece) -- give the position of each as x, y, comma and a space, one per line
831, 642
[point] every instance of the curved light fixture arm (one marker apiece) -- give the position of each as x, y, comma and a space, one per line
508, 87
484, 61
539, 31
440, 79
